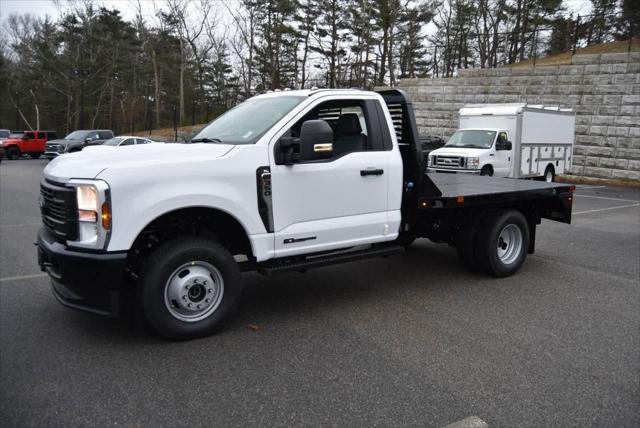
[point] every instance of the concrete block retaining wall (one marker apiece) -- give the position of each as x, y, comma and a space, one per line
603, 89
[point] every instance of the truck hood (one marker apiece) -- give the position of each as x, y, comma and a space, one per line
11, 140
90, 163
458, 151
63, 142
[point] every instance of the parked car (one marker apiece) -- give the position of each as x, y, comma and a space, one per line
27, 142
509, 140
126, 140
4, 134
430, 143
76, 141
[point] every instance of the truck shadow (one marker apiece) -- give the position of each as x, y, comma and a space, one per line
428, 269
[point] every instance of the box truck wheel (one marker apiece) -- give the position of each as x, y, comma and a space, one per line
549, 174
487, 170
502, 243
189, 288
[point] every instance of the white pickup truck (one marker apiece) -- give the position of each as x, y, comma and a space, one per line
509, 140
286, 181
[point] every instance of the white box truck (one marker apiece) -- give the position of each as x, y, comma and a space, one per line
509, 140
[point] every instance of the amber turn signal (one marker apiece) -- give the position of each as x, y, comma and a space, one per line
106, 216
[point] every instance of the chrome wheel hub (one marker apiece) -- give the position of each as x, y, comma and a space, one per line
510, 244
194, 291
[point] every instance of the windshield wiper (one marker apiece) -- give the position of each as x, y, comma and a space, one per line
464, 145
206, 140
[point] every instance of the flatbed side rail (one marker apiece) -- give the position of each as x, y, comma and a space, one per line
551, 203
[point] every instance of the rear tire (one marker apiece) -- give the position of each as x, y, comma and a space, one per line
189, 288
13, 153
502, 243
549, 174
487, 170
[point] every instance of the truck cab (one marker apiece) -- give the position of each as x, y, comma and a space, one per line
286, 181
485, 151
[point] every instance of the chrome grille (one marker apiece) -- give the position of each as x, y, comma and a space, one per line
449, 161
58, 209
54, 148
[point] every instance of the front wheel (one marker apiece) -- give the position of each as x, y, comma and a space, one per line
189, 288
13, 153
503, 242
487, 170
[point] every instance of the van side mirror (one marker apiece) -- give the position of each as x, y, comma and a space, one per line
503, 145
316, 140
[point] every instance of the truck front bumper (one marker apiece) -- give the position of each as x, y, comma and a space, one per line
51, 155
93, 282
454, 171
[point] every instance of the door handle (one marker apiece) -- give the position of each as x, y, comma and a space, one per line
372, 171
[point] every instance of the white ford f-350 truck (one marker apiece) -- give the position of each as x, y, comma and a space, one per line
509, 140
286, 181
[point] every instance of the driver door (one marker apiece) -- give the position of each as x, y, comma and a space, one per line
334, 202
502, 159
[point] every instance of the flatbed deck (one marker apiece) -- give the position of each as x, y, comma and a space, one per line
468, 185
453, 191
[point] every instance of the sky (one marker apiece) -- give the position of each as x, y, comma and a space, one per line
47, 7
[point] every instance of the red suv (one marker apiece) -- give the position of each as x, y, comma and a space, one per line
27, 142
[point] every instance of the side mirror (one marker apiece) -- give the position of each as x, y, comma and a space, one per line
505, 145
316, 140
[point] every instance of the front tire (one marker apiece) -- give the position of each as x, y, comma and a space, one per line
487, 170
189, 288
502, 243
13, 153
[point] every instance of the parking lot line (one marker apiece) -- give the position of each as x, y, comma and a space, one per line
606, 209
585, 187
21, 277
609, 199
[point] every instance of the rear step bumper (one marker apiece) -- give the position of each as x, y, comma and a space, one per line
272, 268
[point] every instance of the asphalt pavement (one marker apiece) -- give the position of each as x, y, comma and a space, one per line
411, 340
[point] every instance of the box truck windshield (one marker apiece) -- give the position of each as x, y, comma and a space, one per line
476, 139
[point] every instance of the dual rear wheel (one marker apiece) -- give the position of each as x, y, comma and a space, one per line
496, 243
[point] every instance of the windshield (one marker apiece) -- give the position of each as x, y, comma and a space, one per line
112, 141
246, 123
472, 139
76, 135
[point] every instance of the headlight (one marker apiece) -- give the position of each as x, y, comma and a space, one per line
431, 161
473, 163
94, 213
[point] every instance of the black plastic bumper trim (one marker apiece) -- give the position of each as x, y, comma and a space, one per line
93, 282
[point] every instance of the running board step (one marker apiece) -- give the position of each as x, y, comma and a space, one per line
330, 259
